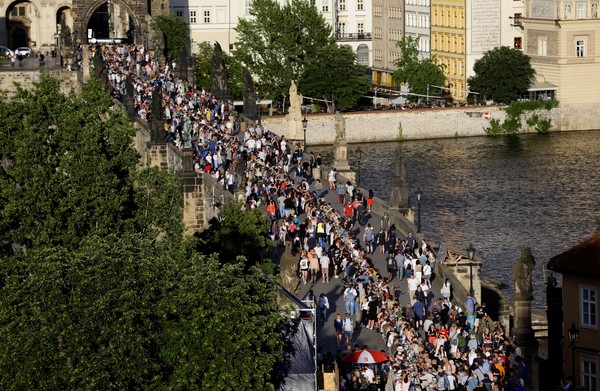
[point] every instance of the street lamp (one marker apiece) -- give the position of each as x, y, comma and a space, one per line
573, 337
359, 155
419, 193
471, 254
304, 126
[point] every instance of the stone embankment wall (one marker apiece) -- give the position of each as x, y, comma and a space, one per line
26, 78
419, 124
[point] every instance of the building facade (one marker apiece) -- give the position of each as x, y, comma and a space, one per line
417, 20
580, 269
215, 21
561, 39
45, 25
388, 29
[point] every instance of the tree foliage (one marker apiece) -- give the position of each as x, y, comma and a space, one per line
333, 74
175, 33
106, 293
276, 42
72, 170
417, 73
502, 74
237, 233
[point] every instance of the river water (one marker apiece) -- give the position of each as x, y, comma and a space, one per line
542, 191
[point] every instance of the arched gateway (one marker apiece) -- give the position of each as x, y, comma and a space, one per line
50, 24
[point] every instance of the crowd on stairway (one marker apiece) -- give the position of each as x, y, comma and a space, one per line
431, 342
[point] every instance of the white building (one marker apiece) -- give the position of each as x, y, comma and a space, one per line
216, 20
417, 24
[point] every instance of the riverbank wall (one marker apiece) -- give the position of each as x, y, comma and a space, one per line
416, 124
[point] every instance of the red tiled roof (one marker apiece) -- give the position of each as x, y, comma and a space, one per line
584, 258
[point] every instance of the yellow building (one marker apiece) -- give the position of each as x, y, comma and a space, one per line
448, 35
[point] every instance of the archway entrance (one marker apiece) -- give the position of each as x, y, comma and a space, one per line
111, 22
22, 24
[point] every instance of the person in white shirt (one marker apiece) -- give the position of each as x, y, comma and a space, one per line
324, 260
413, 283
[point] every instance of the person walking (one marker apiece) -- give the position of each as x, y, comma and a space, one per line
368, 238
341, 192
338, 328
350, 299
332, 179
325, 261
348, 331
446, 290
323, 306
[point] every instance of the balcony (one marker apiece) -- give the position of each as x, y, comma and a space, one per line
353, 37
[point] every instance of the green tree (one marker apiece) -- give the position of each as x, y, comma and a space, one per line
334, 75
226, 329
73, 169
203, 58
97, 299
417, 73
502, 74
175, 33
84, 319
276, 42
238, 233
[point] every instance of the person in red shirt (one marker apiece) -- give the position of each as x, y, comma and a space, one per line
349, 210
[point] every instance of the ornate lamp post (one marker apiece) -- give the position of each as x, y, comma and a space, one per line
304, 127
471, 254
573, 337
359, 155
419, 194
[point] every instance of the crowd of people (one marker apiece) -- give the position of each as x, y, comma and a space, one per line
431, 342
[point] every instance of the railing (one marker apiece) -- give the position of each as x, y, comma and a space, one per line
354, 37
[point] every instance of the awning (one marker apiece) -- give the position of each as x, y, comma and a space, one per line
542, 86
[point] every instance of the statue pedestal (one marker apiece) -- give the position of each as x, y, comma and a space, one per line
294, 128
341, 164
399, 196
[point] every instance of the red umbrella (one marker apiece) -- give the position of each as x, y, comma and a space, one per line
366, 357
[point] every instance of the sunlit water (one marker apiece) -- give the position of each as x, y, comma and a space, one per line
539, 190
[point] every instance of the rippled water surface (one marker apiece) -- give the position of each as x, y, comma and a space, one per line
539, 190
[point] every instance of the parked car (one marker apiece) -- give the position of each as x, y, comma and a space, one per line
5, 51
23, 51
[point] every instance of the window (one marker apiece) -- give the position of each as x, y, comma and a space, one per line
192, 16
542, 46
589, 374
580, 10
325, 6
179, 13
588, 295
360, 5
580, 50
342, 5
517, 19
362, 55
518, 43
341, 29
206, 16
360, 28
247, 7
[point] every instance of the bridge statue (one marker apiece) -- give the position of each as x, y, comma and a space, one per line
522, 273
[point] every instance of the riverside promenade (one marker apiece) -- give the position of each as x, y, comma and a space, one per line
334, 290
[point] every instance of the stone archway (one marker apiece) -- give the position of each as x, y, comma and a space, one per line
122, 20
23, 24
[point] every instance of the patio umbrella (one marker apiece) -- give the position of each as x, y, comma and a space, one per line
366, 357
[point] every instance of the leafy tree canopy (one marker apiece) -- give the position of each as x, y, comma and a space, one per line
175, 32
276, 42
417, 73
107, 294
502, 74
333, 74
238, 233
70, 169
